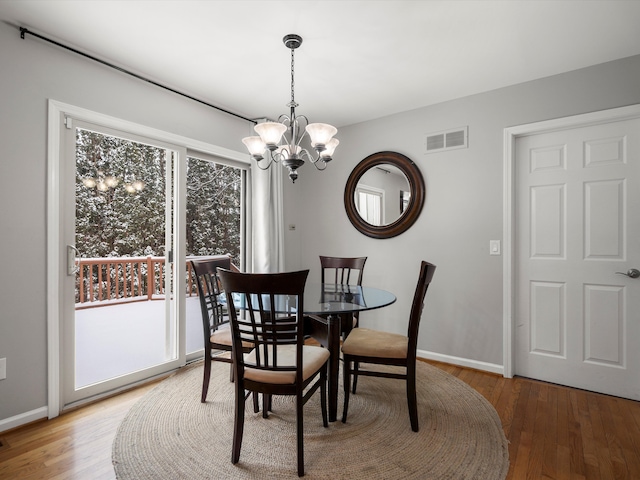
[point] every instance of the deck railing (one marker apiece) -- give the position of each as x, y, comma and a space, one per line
123, 280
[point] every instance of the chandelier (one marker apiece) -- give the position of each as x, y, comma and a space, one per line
281, 140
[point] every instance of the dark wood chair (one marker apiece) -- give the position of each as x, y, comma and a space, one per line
383, 348
343, 271
271, 318
215, 320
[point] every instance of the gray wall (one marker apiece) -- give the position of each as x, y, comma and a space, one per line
31, 72
463, 208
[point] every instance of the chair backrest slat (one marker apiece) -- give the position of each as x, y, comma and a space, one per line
341, 268
209, 293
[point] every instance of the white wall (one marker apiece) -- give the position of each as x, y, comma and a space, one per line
463, 208
31, 72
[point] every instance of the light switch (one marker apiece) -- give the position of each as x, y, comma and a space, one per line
494, 247
3, 368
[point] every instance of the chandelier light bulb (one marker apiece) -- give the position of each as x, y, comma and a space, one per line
330, 147
270, 133
320, 133
255, 145
89, 182
287, 151
111, 182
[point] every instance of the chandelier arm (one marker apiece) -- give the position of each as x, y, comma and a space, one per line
302, 132
268, 163
284, 119
277, 157
318, 162
304, 154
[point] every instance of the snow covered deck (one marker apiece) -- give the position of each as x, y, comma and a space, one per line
116, 339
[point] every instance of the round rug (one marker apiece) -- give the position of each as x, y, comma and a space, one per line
169, 434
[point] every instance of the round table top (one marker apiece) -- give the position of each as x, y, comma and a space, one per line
330, 298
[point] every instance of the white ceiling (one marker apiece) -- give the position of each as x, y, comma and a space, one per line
359, 59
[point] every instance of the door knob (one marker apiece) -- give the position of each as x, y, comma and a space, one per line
631, 273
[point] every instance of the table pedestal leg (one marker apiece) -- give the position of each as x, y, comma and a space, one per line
334, 364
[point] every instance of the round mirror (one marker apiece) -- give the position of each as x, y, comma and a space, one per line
384, 195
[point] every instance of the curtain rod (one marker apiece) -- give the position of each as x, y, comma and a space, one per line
23, 31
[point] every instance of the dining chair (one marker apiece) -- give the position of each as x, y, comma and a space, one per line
382, 348
215, 320
339, 270
270, 316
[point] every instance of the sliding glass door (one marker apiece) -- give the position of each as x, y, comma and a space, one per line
120, 321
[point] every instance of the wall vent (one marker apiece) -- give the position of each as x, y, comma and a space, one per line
447, 140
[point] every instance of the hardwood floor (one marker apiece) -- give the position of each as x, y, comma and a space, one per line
554, 432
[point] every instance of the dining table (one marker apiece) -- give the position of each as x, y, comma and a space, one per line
329, 310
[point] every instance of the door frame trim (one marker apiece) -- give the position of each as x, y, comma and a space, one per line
510, 136
53, 305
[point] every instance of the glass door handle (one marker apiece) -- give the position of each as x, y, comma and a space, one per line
631, 273
72, 266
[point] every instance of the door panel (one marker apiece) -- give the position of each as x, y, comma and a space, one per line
119, 321
577, 211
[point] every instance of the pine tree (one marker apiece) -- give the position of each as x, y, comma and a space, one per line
115, 222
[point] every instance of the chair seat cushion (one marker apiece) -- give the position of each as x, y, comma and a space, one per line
373, 343
222, 336
312, 358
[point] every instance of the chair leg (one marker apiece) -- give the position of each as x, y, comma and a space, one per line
323, 396
412, 400
356, 366
347, 380
238, 426
266, 405
206, 377
256, 404
299, 433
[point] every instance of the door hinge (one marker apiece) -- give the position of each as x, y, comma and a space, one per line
68, 123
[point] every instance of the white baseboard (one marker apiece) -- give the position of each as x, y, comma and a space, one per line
461, 362
23, 419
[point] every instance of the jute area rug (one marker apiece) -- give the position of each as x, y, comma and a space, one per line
168, 434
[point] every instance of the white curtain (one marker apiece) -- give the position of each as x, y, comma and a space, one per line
267, 222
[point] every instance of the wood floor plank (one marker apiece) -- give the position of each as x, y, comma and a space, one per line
550, 432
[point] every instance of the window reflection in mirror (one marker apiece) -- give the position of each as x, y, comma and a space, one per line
377, 193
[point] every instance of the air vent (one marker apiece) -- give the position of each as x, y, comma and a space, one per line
447, 140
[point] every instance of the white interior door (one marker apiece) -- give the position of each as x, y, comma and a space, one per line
578, 224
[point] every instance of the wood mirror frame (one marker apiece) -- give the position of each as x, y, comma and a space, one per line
416, 186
